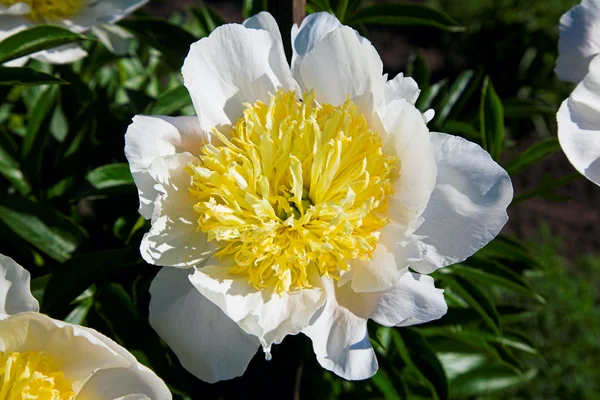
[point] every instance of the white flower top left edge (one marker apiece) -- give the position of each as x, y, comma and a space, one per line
79, 362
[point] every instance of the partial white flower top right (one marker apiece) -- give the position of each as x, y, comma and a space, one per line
578, 62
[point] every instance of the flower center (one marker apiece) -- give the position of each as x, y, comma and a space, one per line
294, 184
32, 375
49, 10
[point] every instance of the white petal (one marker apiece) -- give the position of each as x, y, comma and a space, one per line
408, 139
304, 38
134, 382
264, 313
233, 66
579, 125
579, 40
102, 12
15, 9
173, 239
116, 39
402, 88
413, 300
343, 65
340, 338
208, 344
149, 137
72, 348
264, 21
64, 54
467, 208
15, 294
379, 273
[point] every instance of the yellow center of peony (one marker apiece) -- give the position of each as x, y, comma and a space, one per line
295, 184
49, 10
32, 375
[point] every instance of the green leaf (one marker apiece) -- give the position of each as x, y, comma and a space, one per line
458, 94
25, 76
11, 170
423, 357
35, 39
532, 155
40, 118
493, 273
70, 279
170, 101
382, 381
491, 120
430, 94
477, 299
489, 379
171, 40
512, 250
419, 71
522, 108
464, 316
461, 128
110, 175
406, 14
547, 188
50, 231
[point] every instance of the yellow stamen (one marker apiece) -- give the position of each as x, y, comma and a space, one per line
49, 10
294, 184
32, 375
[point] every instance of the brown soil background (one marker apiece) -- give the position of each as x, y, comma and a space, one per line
576, 220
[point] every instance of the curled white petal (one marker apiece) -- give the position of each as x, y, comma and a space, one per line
579, 40
15, 295
467, 208
579, 125
149, 137
173, 240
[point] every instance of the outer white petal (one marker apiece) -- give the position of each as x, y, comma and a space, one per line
407, 138
173, 240
115, 38
402, 88
339, 332
579, 125
64, 54
340, 338
233, 66
264, 21
149, 137
467, 208
263, 313
311, 31
74, 349
413, 300
133, 382
15, 295
579, 40
208, 344
343, 65
102, 12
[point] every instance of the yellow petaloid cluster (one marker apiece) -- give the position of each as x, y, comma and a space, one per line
294, 185
32, 375
49, 10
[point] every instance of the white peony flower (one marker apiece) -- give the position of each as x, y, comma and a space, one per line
77, 15
305, 199
43, 358
578, 62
